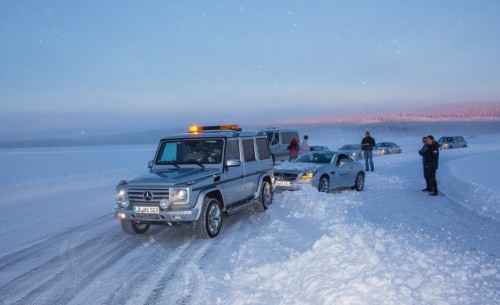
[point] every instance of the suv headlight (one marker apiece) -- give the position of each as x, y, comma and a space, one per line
179, 195
308, 175
121, 197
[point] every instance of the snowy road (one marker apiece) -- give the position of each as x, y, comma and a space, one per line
390, 244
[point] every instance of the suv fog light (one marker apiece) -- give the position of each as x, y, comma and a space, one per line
164, 204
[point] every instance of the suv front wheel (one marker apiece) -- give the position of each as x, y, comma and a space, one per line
134, 228
210, 221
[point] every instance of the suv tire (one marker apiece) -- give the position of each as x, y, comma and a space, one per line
210, 221
266, 197
134, 228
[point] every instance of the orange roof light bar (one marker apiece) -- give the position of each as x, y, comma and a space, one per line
196, 129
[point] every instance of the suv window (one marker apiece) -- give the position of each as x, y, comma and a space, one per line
263, 149
288, 136
248, 150
233, 150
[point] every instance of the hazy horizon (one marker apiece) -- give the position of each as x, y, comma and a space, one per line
89, 68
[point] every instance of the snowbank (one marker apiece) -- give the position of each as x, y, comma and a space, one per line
356, 263
474, 183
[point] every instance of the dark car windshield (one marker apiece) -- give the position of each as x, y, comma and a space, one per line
190, 151
350, 147
445, 139
383, 145
316, 158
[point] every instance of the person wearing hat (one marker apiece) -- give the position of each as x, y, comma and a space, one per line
367, 145
304, 146
293, 149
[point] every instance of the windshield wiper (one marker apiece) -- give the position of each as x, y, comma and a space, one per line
171, 163
192, 161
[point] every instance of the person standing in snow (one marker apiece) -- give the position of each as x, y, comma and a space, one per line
293, 149
431, 162
422, 153
304, 146
367, 147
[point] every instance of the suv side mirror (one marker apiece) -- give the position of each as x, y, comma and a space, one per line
150, 164
233, 162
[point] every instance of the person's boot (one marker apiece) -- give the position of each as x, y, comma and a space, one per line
433, 193
426, 190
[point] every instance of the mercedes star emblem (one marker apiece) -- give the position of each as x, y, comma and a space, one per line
147, 195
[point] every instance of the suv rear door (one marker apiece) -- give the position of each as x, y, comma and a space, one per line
251, 167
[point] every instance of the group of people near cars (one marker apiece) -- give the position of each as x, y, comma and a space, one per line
294, 149
429, 153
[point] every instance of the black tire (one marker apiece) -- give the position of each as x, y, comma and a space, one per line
359, 183
387, 152
134, 228
324, 184
209, 223
400, 151
266, 197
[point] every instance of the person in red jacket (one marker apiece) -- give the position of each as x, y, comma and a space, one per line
293, 149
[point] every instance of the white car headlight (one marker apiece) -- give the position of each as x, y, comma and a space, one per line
179, 195
308, 175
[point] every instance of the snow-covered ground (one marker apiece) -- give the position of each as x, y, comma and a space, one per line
389, 244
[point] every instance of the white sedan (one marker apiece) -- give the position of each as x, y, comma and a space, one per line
324, 170
387, 148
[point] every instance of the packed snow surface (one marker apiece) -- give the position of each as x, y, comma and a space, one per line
389, 244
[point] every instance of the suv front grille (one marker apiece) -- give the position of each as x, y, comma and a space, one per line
286, 177
147, 195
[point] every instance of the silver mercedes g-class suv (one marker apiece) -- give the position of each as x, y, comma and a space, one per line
197, 176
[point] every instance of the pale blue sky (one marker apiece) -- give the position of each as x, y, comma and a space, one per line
95, 66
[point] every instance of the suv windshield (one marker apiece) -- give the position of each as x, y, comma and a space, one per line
190, 151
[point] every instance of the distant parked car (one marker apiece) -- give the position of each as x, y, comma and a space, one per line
353, 150
324, 170
387, 148
318, 148
452, 142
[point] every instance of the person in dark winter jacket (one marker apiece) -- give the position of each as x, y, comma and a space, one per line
422, 153
367, 147
293, 149
431, 162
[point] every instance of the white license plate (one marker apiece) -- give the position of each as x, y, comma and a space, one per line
145, 210
283, 183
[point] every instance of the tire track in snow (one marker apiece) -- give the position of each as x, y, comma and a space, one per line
72, 272
35, 249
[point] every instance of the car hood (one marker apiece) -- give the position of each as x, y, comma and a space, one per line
297, 167
174, 177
